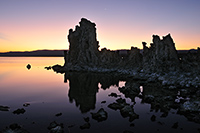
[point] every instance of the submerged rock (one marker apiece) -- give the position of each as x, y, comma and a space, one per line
127, 131
85, 126
175, 125
59, 114
86, 119
19, 111
14, 128
101, 115
4, 108
153, 118
54, 127
119, 105
128, 111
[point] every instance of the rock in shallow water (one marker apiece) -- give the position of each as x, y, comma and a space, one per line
28, 66
14, 128
19, 111
101, 115
54, 127
4, 108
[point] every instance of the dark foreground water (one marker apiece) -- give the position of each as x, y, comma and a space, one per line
75, 97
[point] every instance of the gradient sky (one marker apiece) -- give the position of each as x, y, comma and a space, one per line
27, 25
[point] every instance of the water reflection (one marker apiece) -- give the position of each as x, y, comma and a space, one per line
83, 89
84, 86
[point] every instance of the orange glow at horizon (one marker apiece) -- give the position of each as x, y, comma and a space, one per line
55, 38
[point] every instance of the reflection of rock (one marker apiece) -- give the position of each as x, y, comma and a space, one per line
83, 89
101, 115
84, 86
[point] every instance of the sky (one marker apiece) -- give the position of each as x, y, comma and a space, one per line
27, 25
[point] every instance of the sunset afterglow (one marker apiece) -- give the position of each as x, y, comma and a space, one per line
32, 25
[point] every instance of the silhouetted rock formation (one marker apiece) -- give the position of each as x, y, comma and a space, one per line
83, 45
159, 62
133, 59
190, 61
161, 56
109, 59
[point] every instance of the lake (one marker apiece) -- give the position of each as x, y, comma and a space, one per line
73, 97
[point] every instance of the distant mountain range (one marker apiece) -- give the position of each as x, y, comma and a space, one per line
60, 53
37, 53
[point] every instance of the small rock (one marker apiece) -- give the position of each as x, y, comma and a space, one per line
54, 127
113, 95
161, 123
149, 98
85, 126
120, 100
28, 66
14, 128
4, 108
70, 126
59, 114
86, 119
103, 102
115, 106
26, 104
48, 68
19, 111
127, 131
175, 126
132, 125
153, 118
101, 115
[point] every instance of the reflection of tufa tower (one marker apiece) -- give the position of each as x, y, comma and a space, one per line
84, 86
83, 89
83, 49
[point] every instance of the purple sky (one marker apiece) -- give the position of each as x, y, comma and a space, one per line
44, 24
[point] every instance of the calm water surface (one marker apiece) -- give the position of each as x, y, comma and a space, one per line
49, 94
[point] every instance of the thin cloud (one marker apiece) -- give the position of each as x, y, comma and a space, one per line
4, 37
